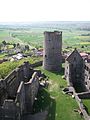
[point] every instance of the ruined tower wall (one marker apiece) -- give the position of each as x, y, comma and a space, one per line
9, 86
31, 90
18, 92
87, 75
20, 97
12, 83
52, 51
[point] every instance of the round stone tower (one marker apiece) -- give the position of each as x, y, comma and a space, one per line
52, 57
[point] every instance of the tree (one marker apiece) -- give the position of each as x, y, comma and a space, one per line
82, 46
18, 45
27, 47
0, 47
4, 43
14, 45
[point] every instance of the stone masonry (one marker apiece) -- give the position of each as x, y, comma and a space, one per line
74, 70
52, 57
87, 75
77, 74
18, 91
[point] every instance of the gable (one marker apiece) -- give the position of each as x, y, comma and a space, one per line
74, 56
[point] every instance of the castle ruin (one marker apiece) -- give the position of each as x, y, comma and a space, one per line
74, 70
77, 72
52, 57
18, 92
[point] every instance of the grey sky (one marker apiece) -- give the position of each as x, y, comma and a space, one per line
44, 10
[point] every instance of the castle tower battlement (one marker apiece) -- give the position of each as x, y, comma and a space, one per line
52, 57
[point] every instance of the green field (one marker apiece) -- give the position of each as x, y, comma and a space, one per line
34, 37
5, 35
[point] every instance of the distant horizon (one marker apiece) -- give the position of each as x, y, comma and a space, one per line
37, 22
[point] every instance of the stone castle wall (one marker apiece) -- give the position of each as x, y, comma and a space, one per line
87, 75
18, 91
31, 89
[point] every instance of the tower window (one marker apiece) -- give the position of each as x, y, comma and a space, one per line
45, 56
74, 58
86, 83
53, 48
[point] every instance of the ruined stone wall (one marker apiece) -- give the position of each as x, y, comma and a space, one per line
67, 73
52, 57
74, 71
20, 98
18, 91
84, 95
87, 75
12, 83
81, 105
26, 70
31, 90
77, 71
9, 110
3, 92
12, 109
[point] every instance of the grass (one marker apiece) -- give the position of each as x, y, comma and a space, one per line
2, 55
59, 105
86, 102
7, 67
